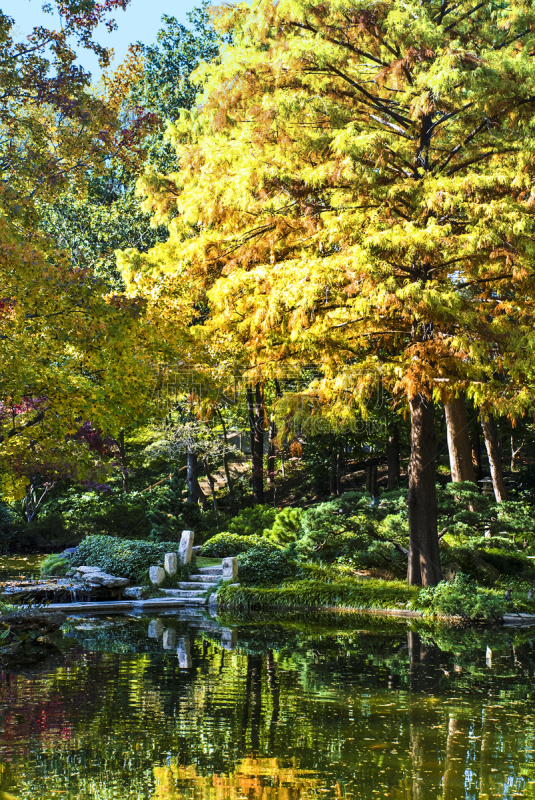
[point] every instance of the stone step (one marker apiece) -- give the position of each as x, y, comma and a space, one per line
195, 585
215, 570
208, 577
183, 593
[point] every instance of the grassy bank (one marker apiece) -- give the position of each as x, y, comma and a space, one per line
459, 598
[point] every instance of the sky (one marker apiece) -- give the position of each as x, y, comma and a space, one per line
140, 22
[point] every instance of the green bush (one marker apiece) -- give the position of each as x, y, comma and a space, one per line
44, 534
265, 565
461, 598
125, 558
7, 527
228, 544
55, 564
252, 521
286, 527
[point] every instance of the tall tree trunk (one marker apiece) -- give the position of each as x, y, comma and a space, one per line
256, 427
271, 451
493, 451
211, 481
459, 441
226, 458
475, 441
371, 481
195, 493
123, 462
424, 560
392, 456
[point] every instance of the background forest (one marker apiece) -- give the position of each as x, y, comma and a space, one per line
272, 280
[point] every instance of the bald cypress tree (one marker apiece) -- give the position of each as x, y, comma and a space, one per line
355, 190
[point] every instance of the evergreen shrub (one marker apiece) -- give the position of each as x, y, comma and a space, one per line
252, 521
126, 558
461, 598
265, 565
55, 564
228, 544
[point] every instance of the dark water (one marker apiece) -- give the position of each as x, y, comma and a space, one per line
269, 709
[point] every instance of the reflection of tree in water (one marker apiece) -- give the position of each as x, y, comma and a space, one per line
341, 713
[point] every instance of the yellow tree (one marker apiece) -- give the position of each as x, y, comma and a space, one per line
69, 351
355, 190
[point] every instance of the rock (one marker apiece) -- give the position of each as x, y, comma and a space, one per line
230, 569
170, 563
185, 547
183, 652
94, 576
136, 593
70, 551
229, 639
450, 570
491, 572
195, 551
169, 639
212, 600
30, 621
156, 628
156, 575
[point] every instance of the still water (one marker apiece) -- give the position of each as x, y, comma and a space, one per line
193, 707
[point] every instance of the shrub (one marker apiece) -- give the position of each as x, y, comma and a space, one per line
126, 558
7, 527
228, 544
265, 565
286, 527
461, 598
252, 521
55, 564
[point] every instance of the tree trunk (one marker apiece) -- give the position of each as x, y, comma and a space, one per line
424, 561
271, 451
211, 481
122, 460
371, 481
225, 458
491, 443
475, 441
392, 457
195, 493
459, 441
256, 427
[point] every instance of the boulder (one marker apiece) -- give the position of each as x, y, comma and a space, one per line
156, 576
36, 622
170, 563
94, 576
185, 547
230, 569
136, 593
196, 551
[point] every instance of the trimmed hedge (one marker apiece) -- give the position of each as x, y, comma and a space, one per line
228, 544
126, 558
265, 564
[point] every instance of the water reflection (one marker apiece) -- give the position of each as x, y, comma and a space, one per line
192, 706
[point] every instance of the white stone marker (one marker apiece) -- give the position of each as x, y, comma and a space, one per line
156, 575
230, 569
183, 652
184, 548
155, 628
229, 639
170, 563
169, 639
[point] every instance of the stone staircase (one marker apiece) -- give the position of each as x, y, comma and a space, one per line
194, 590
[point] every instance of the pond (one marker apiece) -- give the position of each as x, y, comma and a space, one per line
195, 706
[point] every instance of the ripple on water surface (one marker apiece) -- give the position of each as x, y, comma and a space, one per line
279, 710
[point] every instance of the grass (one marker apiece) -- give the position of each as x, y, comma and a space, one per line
208, 562
369, 594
